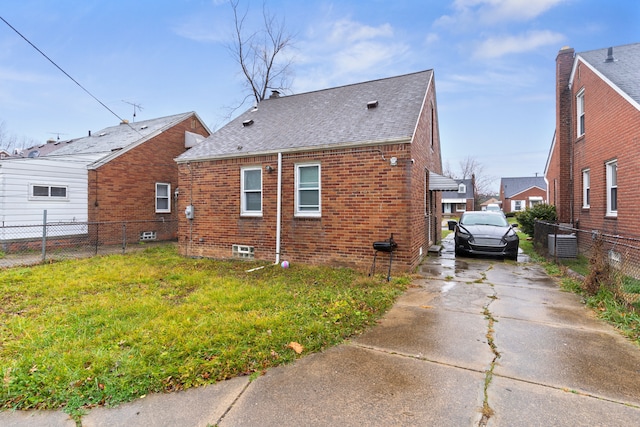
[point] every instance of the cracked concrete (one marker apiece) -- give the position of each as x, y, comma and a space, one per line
474, 342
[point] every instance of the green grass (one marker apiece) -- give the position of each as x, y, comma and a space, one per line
107, 330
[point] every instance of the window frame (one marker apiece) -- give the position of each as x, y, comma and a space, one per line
49, 195
244, 211
307, 213
167, 197
612, 187
580, 113
518, 204
586, 188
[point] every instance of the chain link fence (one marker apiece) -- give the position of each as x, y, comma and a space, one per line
593, 248
34, 244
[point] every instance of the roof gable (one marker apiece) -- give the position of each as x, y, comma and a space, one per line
374, 112
621, 71
468, 194
513, 186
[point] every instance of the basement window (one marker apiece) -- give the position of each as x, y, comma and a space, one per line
243, 251
148, 235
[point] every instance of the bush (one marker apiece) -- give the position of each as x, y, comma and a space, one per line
527, 218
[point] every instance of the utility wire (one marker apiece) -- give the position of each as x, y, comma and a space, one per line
63, 71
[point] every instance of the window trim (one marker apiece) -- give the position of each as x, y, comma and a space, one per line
48, 197
580, 113
243, 192
586, 188
306, 213
612, 210
168, 197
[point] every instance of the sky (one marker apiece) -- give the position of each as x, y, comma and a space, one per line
494, 63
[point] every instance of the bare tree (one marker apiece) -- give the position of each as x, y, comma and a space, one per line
260, 53
10, 142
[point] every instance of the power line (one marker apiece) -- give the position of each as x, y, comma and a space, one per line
63, 71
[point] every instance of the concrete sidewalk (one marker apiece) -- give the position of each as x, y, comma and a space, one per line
475, 342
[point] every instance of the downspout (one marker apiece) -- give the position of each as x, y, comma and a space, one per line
279, 209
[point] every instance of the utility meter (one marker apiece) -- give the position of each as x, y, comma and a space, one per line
188, 212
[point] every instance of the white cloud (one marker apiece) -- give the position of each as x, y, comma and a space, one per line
345, 51
470, 13
495, 47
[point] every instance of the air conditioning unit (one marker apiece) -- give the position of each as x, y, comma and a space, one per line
563, 245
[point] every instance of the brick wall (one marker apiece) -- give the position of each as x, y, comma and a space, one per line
364, 199
124, 188
612, 131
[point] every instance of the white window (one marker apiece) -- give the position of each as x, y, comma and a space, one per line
580, 112
462, 189
586, 187
612, 188
517, 205
308, 190
163, 199
251, 184
51, 192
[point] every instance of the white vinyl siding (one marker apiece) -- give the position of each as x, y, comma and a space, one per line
163, 197
308, 190
251, 198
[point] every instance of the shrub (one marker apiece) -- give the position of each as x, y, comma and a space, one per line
527, 218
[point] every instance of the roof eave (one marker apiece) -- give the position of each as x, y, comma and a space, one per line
403, 140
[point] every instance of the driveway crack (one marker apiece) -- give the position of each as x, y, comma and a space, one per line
487, 411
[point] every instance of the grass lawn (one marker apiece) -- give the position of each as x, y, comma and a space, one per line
110, 329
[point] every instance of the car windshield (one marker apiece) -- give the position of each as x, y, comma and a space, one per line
484, 219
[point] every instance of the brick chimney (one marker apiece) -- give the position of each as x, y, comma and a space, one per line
564, 132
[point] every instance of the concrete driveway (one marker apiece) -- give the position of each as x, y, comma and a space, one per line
474, 342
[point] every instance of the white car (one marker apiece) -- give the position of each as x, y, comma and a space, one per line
493, 207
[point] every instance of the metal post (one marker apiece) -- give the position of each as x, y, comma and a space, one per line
44, 235
124, 237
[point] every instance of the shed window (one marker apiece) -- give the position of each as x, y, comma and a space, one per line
48, 192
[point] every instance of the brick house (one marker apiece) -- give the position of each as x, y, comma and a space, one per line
455, 202
517, 194
593, 167
121, 173
317, 177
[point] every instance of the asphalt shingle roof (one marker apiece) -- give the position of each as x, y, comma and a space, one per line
456, 195
623, 71
324, 118
117, 137
513, 186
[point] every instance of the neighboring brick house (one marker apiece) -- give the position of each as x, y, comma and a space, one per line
517, 194
458, 201
593, 167
122, 173
318, 177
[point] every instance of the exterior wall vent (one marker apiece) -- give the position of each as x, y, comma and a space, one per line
242, 251
148, 235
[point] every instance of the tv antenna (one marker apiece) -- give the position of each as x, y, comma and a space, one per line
135, 107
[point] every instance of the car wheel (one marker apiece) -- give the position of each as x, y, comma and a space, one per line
512, 257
